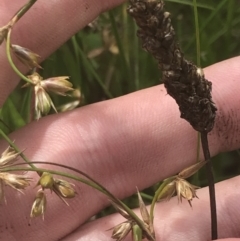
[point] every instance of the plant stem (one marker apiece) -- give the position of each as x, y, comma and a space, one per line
210, 177
8, 49
124, 63
197, 32
21, 12
91, 182
157, 193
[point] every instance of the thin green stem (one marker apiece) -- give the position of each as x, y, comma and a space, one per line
197, 32
136, 59
157, 193
16, 149
8, 49
91, 182
207, 22
146, 196
125, 64
62, 174
21, 12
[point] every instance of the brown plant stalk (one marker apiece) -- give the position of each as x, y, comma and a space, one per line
184, 81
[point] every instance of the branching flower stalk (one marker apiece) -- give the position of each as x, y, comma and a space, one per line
89, 181
39, 204
177, 184
184, 81
58, 85
40, 198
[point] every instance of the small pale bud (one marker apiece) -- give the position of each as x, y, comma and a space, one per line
167, 192
136, 233
58, 85
200, 72
15, 181
8, 157
143, 210
43, 102
121, 230
189, 171
185, 190
69, 106
166, 14
46, 181
64, 188
39, 205
26, 56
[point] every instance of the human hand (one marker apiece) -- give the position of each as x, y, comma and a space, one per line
121, 145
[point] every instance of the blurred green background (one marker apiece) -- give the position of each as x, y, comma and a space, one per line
105, 60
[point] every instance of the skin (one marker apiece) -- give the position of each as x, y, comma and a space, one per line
134, 140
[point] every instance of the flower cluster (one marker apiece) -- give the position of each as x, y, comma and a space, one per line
180, 186
184, 81
58, 85
121, 230
62, 188
15, 181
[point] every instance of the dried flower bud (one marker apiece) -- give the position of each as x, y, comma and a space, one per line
46, 181
137, 233
186, 190
69, 106
189, 171
76, 94
26, 56
143, 210
3, 34
8, 157
167, 192
43, 102
15, 181
58, 85
64, 188
122, 230
39, 205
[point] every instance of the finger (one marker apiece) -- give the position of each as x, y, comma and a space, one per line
229, 239
178, 222
135, 140
44, 28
